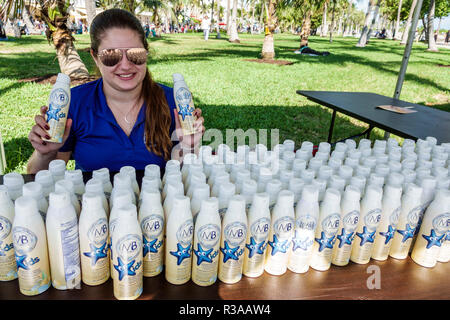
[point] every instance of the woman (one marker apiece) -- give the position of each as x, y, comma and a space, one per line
123, 118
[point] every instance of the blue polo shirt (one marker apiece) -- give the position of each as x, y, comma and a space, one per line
96, 139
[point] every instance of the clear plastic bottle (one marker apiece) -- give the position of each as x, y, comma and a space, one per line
14, 182
131, 172
226, 191
57, 168
306, 217
96, 186
151, 220
63, 242
327, 227
259, 222
67, 186
434, 229
179, 237
127, 262
200, 193
350, 211
76, 176
30, 246
34, 190
45, 179
93, 235
8, 268
104, 176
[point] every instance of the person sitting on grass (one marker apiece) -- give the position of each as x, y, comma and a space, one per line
304, 49
123, 118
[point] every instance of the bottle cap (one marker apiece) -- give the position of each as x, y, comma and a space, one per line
396, 179
341, 146
25, 206
102, 174
76, 176
57, 166
345, 172
226, 190
363, 170
352, 193
289, 145
94, 185
376, 179
177, 77
307, 145
122, 180
152, 170
296, 185
151, 195
307, 175
92, 201
285, 198
237, 203
364, 144
126, 214
249, 187
242, 174
130, 171
260, 201
298, 165
439, 172
288, 156
325, 147
60, 198
201, 191
173, 164
332, 195
149, 182
428, 183
334, 163
315, 164
351, 162
210, 205
173, 188
409, 175
273, 187
32, 189
13, 180
121, 197
337, 182
4, 194
63, 78
392, 191
382, 169
355, 154
64, 185
370, 161
339, 154
413, 191
303, 154
351, 144
373, 193
44, 177
286, 176
310, 193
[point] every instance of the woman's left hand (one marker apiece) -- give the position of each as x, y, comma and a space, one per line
190, 142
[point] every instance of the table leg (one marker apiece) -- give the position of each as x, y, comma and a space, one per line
330, 133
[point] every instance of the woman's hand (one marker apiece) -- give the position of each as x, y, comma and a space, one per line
39, 131
190, 142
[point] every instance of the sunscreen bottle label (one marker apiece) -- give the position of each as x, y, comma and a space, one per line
204, 272
256, 246
404, 234
366, 237
34, 278
153, 241
56, 115
8, 268
324, 241
128, 282
344, 239
231, 252
302, 243
185, 108
94, 258
180, 257
71, 253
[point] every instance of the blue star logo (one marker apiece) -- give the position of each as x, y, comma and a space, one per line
52, 113
122, 270
21, 263
150, 246
345, 238
255, 248
447, 236
389, 234
366, 236
298, 243
278, 246
325, 242
229, 253
203, 255
407, 233
96, 253
185, 110
433, 239
181, 253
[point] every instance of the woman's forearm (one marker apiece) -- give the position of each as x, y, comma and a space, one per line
40, 161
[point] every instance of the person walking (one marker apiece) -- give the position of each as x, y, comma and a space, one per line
205, 26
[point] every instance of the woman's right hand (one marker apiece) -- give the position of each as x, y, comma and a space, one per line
39, 131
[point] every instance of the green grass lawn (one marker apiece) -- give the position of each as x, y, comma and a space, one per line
234, 93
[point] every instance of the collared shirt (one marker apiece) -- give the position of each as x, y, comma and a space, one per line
96, 139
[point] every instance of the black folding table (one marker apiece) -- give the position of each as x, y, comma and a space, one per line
363, 106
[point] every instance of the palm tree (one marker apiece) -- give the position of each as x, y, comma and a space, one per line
431, 43
324, 29
268, 50
397, 23
363, 38
234, 37
408, 22
55, 14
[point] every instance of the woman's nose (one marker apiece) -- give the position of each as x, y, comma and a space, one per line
125, 63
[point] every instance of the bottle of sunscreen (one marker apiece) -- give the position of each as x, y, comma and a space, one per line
435, 226
232, 243
281, 232
390, 213
103, 175
306, 217
58, 108
127, 244
368, 224
63, 244
179, 237
327, 227
151, 219
14, 182
205, 262
30, 245
185, 104
257, 235
93, 233
8, 268
350, 211
407, 222
34, 190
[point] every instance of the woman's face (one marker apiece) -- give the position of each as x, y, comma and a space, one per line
124, 76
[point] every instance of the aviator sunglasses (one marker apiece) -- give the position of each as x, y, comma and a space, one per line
111, 57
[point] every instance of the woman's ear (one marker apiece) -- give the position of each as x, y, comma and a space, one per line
94, 57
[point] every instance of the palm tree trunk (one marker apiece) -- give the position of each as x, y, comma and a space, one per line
306, 28
408, 22
228, 17
397, 23
431, 42
218, 20
324, 29
234, 37
363, 38
268, 49
374, 19
90, 11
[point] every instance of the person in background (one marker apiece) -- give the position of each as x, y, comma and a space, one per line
123, 118
205, 26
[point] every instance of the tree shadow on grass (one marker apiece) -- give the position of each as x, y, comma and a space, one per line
17, 152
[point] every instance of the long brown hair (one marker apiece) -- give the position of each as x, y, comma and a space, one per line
157, 113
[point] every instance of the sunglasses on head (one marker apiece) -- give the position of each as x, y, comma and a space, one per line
111, 57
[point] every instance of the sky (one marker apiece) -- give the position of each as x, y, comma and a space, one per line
445, 23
